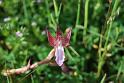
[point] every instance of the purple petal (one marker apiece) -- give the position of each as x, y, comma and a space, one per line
59, 53
19, 34
51, 39
66, 39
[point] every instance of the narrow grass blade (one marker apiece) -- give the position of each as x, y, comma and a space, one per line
103, 79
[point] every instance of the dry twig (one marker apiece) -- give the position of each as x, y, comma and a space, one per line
32, 66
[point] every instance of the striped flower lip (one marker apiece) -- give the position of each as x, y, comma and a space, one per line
59, 42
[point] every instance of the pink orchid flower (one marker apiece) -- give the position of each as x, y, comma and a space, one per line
59, 42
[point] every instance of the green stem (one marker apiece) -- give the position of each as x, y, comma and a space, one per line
103, 57
55, 8
25, 11
77, 21
103, 79
86, 17
78, 12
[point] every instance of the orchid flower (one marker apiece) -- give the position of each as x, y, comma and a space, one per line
59, 42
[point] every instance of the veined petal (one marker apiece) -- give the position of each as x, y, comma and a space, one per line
51, 39
66, 39
59, 53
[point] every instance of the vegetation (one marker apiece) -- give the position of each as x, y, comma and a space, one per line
96, 51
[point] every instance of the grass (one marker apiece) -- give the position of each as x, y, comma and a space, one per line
86, 17
102, 56
77, 20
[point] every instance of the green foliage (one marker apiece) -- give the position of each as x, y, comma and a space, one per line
96, 52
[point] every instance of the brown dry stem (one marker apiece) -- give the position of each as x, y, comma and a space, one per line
21, 70
29, 66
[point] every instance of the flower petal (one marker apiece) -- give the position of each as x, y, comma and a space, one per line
51, 39
66, 39
59, 53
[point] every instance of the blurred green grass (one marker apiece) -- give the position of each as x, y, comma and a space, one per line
97, 43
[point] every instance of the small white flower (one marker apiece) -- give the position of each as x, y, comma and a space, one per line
38, 1
19, 34
33, 23
0, 2
108, 54
7, 19
43, 32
